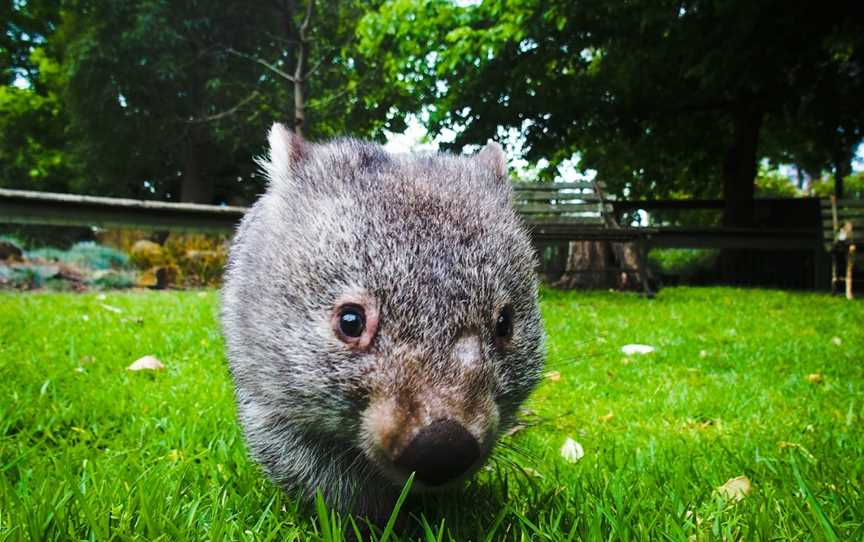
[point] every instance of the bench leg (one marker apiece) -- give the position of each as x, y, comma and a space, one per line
642, 260
850, 263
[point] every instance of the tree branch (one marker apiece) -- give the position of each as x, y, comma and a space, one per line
227, 112
269, 66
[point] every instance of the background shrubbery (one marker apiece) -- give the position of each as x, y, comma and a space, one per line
118, 259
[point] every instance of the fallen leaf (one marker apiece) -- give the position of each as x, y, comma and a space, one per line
633, 349
703, 353
554, 376
147, 363
735, 489
815, 378
572, 451
836, 341
110, 308
607, 417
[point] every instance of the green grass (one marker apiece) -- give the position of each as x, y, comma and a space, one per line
89, 450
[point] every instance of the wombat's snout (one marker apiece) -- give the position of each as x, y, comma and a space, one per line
439, 453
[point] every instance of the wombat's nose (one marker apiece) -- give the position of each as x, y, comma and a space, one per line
439, 452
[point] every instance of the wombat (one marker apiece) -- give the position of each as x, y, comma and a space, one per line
381, 318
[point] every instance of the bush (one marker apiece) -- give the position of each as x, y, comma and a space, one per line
85, 254
773, 184
192, 260
853, 186
112, 279
682, 262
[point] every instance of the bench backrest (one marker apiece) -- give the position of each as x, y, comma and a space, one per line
578, 202
842, 220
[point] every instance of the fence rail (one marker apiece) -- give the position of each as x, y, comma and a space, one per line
26, 207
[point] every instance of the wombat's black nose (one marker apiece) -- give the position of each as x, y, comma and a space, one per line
440, 452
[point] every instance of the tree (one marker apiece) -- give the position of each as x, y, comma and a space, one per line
660, 97
34, 137
173, 99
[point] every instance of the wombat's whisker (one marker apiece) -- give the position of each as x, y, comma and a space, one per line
574, 360
518, 450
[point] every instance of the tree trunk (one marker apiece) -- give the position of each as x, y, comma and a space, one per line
300, 70
739, 188
739, 168
842, 169
194, 187
588, 264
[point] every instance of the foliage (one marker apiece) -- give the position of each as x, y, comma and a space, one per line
682, 262
199, 259
34, 135
745, 382
658, 97
773, 184
86, 254
853, 186
112, 279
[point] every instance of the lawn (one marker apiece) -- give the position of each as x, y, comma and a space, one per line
763, 384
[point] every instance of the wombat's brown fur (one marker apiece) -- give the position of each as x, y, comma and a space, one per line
381, 318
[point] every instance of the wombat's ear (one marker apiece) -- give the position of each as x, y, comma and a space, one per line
492, 158
286, 149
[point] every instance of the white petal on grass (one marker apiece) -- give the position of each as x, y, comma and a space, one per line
147, 363
632, 349
735, 489
572, 451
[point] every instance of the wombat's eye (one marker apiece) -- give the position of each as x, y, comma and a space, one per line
352, 321
504, 325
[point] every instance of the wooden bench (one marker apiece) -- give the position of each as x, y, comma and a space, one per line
578, 211
842, 220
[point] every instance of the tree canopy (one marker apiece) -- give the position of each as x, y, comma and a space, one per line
663, 98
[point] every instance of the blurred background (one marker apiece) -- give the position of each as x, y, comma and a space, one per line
738, 107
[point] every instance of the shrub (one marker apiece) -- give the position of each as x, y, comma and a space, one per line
682, 262
85, 254
853, 186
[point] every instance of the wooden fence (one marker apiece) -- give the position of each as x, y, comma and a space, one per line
791, 226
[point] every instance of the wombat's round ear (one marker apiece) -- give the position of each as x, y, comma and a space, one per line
492, 157
286, 149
